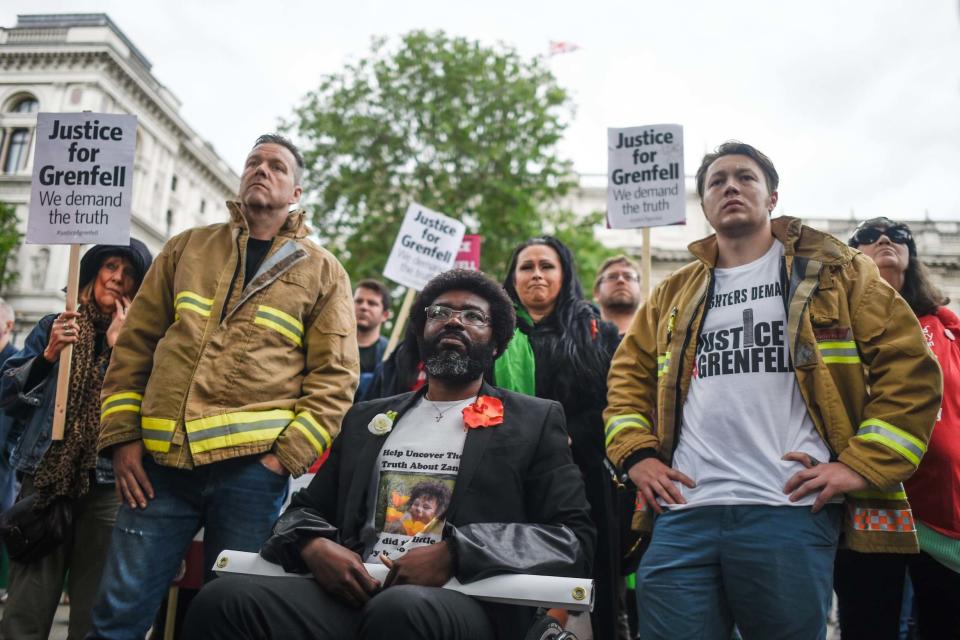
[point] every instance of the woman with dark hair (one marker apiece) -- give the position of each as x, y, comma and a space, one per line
67, 470
870, 586
561, 350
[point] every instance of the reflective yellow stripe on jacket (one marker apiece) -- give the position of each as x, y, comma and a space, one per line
123, 401
908, 446
876, 494
312, 430
839, 351
283, 323
232, 429
157, 433
190, 301
663, 364
616, 424
237, 428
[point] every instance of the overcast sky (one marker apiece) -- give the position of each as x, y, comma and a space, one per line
857, 102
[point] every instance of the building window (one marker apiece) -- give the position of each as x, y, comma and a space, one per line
169, 222
173, 183
203, 206
17, 151
27, 104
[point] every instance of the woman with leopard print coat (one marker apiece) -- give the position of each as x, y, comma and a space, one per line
67, 469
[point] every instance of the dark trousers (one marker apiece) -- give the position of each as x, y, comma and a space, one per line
253, 607
35, 587
869, 590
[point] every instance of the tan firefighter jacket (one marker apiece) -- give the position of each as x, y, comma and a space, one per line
276, 373
869, 381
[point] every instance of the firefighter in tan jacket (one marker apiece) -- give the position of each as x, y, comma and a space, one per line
769, 395
237, 364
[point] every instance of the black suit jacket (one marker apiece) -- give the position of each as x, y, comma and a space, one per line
518, 505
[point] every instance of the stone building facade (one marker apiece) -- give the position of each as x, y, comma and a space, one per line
84, 62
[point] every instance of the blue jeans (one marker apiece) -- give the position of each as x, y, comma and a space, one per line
235, 501
768, 569
8, 483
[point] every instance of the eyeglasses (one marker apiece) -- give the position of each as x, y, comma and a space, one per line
869, 235
628, 276
471, 317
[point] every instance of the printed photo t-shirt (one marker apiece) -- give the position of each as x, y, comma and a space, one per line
418, 464
744, 410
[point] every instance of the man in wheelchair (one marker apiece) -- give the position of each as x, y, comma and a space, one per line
460, 479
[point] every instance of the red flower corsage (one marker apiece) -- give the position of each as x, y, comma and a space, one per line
485, 412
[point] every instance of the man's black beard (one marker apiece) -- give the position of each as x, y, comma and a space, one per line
623, 306
453, 366
621, 303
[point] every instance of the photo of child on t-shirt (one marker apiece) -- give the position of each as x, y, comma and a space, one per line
425, 508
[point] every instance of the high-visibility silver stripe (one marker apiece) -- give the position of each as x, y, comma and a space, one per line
266, 315
322, 438
625, 420
195, 303
156, 434
840, 352
889, 435
133, 402
239, 427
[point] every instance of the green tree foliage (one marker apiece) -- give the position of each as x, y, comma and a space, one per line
462, 128
10, 238
588, 252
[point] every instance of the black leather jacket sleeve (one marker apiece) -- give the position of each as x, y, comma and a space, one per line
557, 539
491, 548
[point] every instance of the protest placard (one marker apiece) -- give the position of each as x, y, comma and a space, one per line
645, 184
469, 255
427, 245
82, 179
80, 194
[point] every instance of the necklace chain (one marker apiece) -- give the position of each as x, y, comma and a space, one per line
437, 409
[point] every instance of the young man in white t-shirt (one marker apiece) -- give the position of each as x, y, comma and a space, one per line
756, 390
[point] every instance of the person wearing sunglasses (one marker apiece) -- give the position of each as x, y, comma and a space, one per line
870, 586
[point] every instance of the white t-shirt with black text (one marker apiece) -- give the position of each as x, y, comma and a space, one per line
744, 410
418, 464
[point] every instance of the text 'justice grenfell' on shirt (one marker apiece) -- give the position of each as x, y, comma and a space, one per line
744, 410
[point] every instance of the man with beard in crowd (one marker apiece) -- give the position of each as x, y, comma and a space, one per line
517, 503
617, 291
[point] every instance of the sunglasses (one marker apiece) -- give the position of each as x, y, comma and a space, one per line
869, 235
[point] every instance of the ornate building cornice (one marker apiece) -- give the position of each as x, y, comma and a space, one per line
140, 87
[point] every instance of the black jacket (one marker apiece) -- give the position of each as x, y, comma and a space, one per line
518, 505
583, 403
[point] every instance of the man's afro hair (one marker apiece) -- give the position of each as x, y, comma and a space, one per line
503, 318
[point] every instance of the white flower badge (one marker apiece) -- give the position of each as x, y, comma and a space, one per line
382, 423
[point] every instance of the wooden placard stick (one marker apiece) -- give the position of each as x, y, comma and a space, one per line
66, 356
400, 322
647, 264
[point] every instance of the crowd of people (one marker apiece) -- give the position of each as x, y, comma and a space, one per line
775, 425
